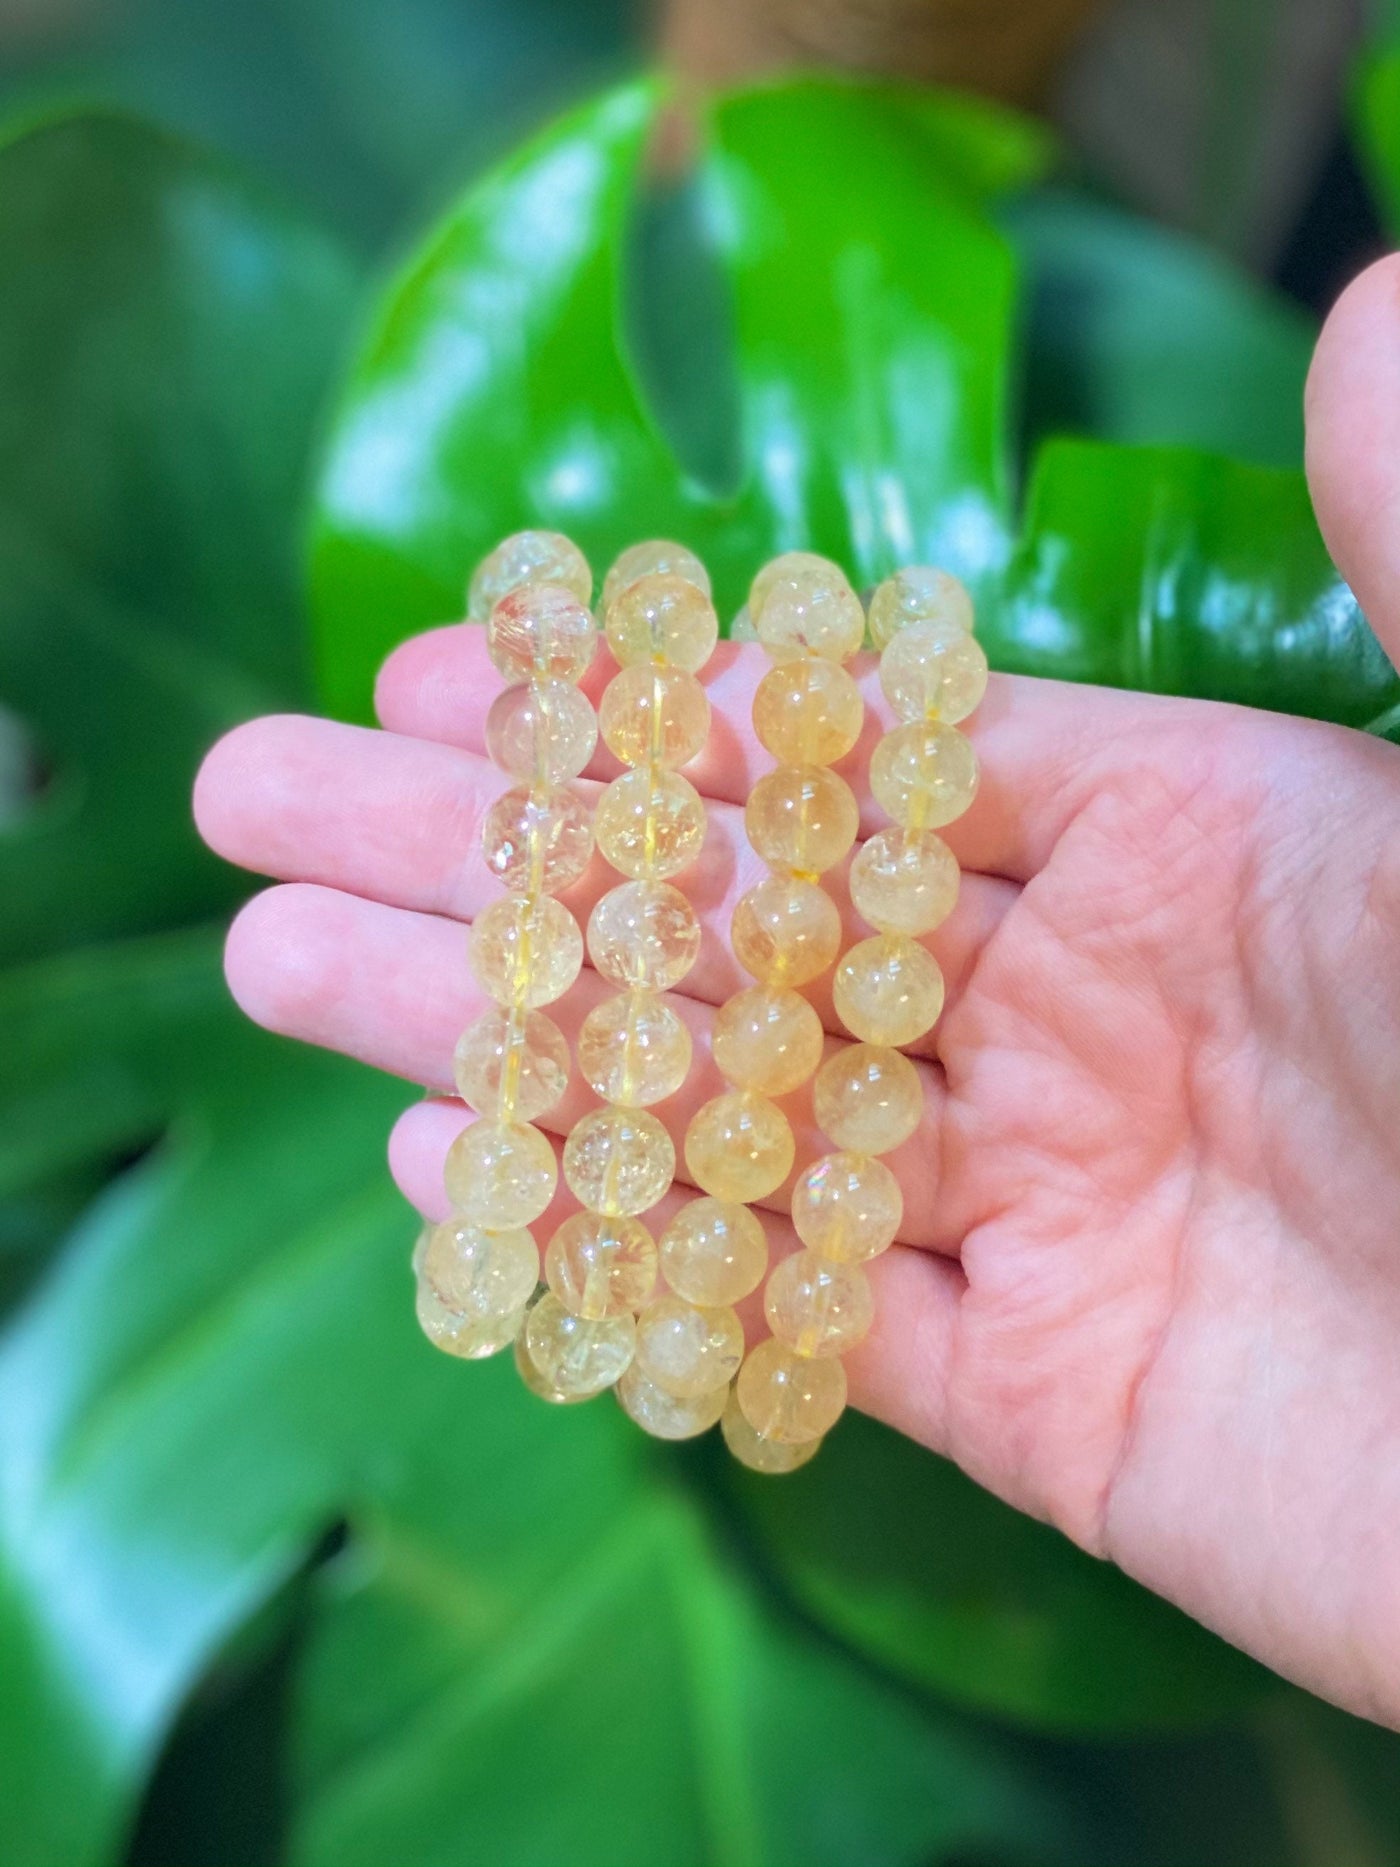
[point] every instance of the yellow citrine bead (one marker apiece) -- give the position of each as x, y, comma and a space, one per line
810, 613
868, 1098
847, 1207
471, 1338
599, 1266
785, 931
479, 1273
713, 1253
918, 594
619, 1161
924, 774
634, 1050
686, 1350
668, 1416
650, 824
808, 712
504, 1172
904, 881
767, 1039
934, 671
537, 840
654, 715
513, 1063
769, 1456
663, 618
523, 558
644, 934
801, 818
539, 630
817, 1306
808, 565
525, 952
576, 1356
530, 1374
739, 1147
653, 557
790, 1398
888, 990
544, 732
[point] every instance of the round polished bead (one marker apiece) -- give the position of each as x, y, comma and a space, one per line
537, 839
808, 712
653, 557
688, 1350
511, 1063
668, 1416
650, 823
888, 990
599, 1266
868, 1098
924, 774
543, 732
741, 629
576, 1356
663, 618
818, 1307
785, 931
790, 1398
531, 1376
767, 1039
904, 881
654, 715
770, 1456
934, 671
619, 1161
801, 818
528, 557
847, 1207
504, 1171
634, 1050
644, 934
810, 613
919, 594
471, 1338
525, 952
808, 565
739, 1147
541, 629
480, 1273
713, 1253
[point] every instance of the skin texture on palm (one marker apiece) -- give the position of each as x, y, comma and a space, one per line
1148, 1285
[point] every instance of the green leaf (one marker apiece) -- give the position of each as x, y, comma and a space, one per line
164, 342
1375, 115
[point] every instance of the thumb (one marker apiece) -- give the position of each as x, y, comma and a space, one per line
1353, 443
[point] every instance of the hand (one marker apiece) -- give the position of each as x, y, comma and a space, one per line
1149, 1280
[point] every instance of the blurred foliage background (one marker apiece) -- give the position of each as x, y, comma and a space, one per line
303, 304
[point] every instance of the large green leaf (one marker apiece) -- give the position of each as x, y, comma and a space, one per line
1376, 117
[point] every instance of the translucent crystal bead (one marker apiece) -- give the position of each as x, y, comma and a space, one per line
576, 1356
818, 1307
653, 557
801, 818
713, 1253
668, 1416
687, 1350
644, 934
790, 1398
655, 714
904, 881
934, 671
619, 1161
918, 594
504, 1171
650, 823
634, 1050
810, 613
525, 952
531, 1376
888, 990
543, 732
600, 1266
739, 1147
741, 629
785, 931
472, 1338
767, 1039
770, 1456
528, 557
479, 1273
847, 1207
539, 630
789, 564
663, 618
924, 774
511, 1062
537, 839
808, 712
868, 1098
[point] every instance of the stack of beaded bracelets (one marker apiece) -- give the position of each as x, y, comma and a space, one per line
673, 1356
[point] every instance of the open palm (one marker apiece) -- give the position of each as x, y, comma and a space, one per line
1148, 1285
